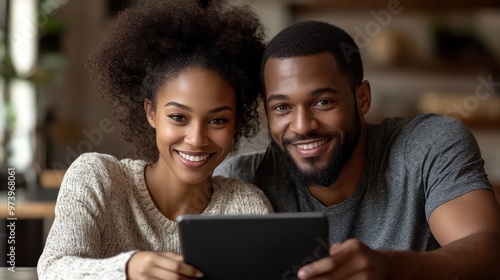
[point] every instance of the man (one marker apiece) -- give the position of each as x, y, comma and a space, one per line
406, 198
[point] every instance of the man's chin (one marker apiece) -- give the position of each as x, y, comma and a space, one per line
310, 165
310, 169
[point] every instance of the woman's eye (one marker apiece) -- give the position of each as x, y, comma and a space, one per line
217, 121
177, 118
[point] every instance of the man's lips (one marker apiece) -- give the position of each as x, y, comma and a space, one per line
310, 145
310, 148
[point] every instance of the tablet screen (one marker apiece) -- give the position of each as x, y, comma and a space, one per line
272, 246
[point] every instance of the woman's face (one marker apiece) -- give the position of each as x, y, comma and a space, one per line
194, 118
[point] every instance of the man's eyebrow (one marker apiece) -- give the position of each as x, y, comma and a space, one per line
323, 90
311, 93
178, 105
277, 97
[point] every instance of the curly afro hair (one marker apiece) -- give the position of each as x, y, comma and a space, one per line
150, 44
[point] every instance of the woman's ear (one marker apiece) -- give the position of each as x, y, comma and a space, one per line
150, 112
363, 97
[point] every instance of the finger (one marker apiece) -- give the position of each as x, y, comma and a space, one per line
356, 260
158, 273
174, 262
172, 255
350, 268
335, 248
339, 254
321, 277
316, 268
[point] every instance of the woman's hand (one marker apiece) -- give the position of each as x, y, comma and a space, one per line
152, 265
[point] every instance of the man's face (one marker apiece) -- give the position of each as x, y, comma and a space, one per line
313, 117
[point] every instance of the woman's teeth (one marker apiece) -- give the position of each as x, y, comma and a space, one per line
193, 158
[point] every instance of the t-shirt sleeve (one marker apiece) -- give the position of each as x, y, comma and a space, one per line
73, 248
241, 167
452, 163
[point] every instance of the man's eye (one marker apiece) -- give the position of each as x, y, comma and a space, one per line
324, 102
281, 107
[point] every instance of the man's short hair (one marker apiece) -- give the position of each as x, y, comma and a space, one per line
313, 37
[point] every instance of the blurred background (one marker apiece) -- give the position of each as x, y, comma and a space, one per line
419, 55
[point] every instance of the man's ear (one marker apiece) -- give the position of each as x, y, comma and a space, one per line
363, 97
150, 112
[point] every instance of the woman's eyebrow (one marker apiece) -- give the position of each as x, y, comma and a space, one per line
187, 108
180, 106
219, 109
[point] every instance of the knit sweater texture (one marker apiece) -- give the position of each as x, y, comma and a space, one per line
104, 214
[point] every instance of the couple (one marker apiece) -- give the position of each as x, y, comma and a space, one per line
406, 198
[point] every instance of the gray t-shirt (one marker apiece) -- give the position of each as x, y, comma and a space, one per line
413, 166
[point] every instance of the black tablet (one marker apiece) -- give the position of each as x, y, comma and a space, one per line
272, 246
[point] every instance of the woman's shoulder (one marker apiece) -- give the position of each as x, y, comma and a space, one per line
104, 163
240, 197
97, 169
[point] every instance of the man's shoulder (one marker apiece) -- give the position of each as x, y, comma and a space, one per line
420, 128
415, 121
241, 166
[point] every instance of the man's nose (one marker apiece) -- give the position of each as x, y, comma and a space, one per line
303, 122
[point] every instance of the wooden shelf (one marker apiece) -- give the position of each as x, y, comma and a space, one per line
30, 210
420, 5
51, 178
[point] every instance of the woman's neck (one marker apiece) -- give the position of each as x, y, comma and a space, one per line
174, 197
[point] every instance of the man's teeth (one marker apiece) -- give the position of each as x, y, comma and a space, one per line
311, 145
193, 158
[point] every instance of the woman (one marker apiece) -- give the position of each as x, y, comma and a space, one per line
185, 78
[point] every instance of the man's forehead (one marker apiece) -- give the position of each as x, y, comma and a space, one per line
288, 73
276, 68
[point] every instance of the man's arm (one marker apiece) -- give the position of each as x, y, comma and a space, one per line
463, 215
467, 227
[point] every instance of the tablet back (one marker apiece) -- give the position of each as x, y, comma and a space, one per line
272, 246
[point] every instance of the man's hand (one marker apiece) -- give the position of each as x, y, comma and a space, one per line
348, 260
152, 265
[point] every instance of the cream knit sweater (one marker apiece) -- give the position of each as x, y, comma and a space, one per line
104, 214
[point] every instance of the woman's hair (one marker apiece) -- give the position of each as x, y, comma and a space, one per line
148, 45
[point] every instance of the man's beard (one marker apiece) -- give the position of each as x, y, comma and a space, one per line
315, 175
